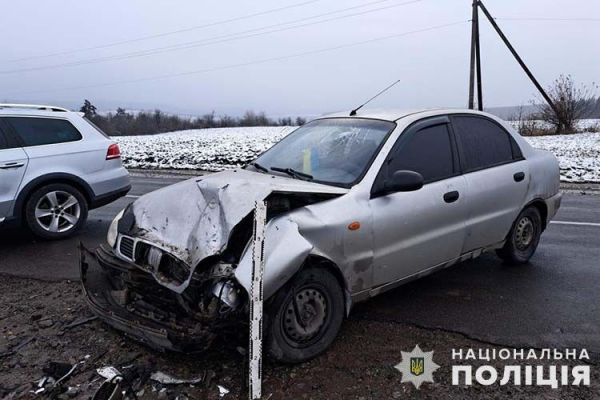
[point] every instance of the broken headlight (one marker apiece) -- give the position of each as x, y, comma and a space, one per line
111, 236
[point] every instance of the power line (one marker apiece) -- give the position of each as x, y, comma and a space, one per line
548, 19
232, 66
218, 39
159, 35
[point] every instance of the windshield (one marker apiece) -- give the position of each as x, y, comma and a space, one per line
336, 150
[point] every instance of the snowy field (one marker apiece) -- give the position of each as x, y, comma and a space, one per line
578, 155
204, 149
224, 148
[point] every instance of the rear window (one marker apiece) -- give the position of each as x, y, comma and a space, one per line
41, 131
481, 143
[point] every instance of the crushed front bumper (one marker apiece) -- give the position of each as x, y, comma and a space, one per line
126, 298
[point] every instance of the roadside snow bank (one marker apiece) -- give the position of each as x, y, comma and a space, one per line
225, 148
578, 155
203, 149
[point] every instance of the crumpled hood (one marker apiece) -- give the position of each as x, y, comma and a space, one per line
193, 219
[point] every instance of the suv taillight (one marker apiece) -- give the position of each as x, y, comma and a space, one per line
113, 152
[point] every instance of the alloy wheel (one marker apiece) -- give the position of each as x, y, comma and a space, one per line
57, 211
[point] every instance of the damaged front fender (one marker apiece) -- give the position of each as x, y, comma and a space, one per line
285, 252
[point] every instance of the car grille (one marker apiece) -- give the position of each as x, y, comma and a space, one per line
126, 247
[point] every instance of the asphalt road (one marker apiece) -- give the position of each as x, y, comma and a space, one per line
554, 301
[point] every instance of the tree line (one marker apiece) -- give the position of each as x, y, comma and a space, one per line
127, 123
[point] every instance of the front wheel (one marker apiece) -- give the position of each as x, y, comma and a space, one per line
305, 316
523, 238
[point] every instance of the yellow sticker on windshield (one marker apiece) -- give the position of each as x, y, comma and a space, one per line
307, 158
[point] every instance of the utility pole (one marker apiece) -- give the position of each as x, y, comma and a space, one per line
475, 61
475, 69
472, 68
518, 58
478, 57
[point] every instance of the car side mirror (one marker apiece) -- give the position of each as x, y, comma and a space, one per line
403, 181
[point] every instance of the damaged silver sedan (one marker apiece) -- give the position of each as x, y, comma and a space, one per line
356, 205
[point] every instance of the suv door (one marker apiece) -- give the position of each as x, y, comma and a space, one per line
13, 163
417, 230
497, 178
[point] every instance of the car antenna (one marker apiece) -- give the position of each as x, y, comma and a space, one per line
353, 112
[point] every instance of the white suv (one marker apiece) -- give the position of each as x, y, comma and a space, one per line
55, 165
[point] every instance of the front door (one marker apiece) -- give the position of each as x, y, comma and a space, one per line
414, 231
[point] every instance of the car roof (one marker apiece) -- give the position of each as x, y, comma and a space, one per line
396, 114
33, 109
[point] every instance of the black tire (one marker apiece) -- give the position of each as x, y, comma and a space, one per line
317, 292
523, 238
40, 200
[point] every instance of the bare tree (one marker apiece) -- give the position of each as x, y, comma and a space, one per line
572, 104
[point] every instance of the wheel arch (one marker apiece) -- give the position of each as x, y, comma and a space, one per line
48, 179
542, 208
317, 261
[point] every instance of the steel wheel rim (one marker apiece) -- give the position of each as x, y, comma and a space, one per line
524, 233
305, 322
57, 211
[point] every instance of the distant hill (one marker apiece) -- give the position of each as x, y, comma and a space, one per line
507, 112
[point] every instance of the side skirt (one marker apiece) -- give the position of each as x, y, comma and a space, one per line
367, 294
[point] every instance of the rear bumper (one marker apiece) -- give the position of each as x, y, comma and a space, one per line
115, 291
553, 204
108, 184
106, 198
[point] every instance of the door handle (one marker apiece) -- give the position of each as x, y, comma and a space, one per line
12, 165
519, 176
451, 197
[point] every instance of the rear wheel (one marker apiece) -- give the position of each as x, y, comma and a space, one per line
56, 211
305, 316
523, 238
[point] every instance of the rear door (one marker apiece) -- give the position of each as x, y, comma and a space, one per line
413, 231
54, 144
13, 164
497, 178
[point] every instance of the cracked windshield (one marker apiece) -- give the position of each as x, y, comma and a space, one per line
335, 151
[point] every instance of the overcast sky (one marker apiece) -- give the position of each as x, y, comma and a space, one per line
433, 65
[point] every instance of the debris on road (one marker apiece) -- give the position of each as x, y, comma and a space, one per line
108, 373
360, 364
167, 379
222, 391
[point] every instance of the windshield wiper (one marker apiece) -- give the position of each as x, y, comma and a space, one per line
293, 173
259, 167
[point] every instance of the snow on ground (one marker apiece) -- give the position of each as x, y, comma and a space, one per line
203, 149
225, 148
578, 155
582, 125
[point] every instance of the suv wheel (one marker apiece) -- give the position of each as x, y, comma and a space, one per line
56, 211
305, 316
523, 238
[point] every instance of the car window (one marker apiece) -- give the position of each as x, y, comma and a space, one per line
3, 142
481, 143
40, 131
427, 151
